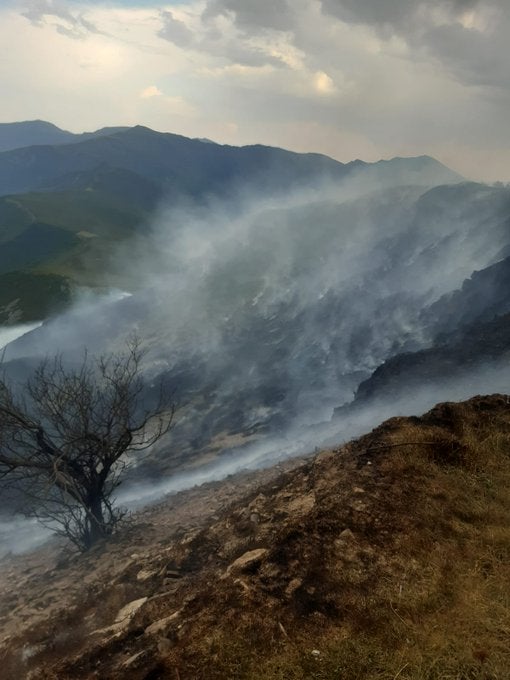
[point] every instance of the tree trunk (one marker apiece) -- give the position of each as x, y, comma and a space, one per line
96, 528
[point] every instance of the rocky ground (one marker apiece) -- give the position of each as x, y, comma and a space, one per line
55, 584
384, 558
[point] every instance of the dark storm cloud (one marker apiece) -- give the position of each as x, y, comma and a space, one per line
175, 31
253, 16
214, 43
475, 58
468, 38
396, 13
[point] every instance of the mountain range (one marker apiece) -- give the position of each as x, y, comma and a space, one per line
67, 200
272, 287
40, 132
288, 303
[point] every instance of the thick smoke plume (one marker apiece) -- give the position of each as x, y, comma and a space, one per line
265, 315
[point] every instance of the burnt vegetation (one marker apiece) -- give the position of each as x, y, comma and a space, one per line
387, 557
68, 434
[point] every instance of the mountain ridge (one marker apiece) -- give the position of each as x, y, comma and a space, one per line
84, 154
106, 186
40, 133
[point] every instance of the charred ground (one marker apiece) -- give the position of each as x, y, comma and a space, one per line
387, 557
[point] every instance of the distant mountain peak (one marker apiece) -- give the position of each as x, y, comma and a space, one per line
423, 170
42, 133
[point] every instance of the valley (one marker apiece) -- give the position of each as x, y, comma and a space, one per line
289, 303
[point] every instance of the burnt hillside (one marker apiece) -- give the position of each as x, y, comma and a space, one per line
385, 557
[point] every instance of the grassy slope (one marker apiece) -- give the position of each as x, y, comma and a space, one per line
67, 233
82, 210
26, 297
386, 558
418, 590
104, 186
100, 213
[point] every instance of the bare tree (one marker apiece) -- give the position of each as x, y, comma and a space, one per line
66, 439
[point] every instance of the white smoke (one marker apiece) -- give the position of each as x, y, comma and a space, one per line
10, 333
276, 309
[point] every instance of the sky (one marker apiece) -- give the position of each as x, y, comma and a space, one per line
365, 79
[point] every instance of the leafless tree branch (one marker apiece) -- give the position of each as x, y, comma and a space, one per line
66, 440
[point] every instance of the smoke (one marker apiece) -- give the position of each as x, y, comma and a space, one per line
301, 440
283, 305
304, 297
10, 333
19, 535
93, 319
266, 314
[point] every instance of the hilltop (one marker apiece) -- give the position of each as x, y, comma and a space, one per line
40, 132
68, 201
385, 557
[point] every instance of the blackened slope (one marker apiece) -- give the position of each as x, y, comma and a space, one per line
483, 296
462, 354
389, 553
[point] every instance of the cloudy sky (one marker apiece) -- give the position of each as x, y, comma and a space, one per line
363, 79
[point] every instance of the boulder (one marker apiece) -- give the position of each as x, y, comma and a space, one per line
129, 610
162, 626
248, 560
146, 574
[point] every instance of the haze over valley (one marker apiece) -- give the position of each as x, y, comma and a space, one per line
255, 340
266, 286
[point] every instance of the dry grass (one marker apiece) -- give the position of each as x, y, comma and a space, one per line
418, 588
436, 603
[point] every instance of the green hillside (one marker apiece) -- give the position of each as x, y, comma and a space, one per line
26, 297
73, 230
65, 206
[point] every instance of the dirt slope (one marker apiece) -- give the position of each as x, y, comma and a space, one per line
385, 558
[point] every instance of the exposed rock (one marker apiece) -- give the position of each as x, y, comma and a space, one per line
243, 584
301, 505
349, 538
162, 626
146, 574
136, 660
293, 586
122, 620
129, 610
347, 535
170, 573
248, 560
